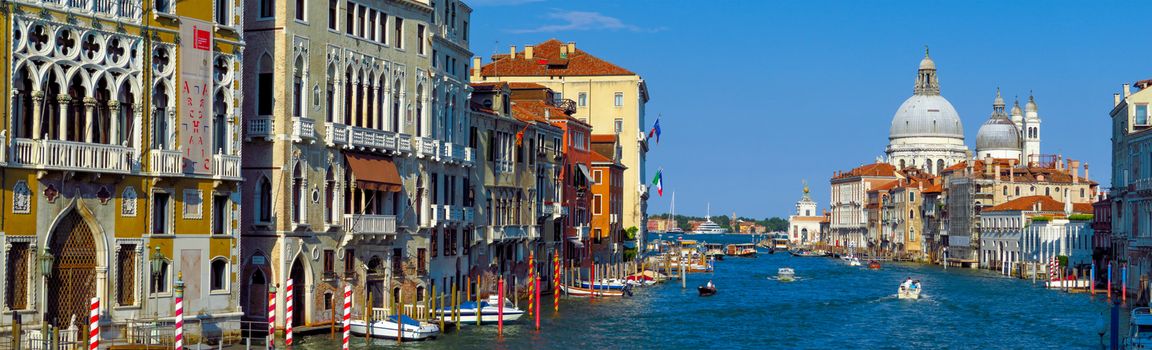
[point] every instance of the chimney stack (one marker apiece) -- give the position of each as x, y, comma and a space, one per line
528, 51
1127, 90
571, 47
987, 165
1115, 99
1074, 165
996, 176
1012, 170
476, 68
512, 52
1086, 172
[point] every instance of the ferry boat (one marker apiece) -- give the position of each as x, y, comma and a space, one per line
1140, 329
747, 250
488, 311
785, 274
780, 241
394, 326
714, 250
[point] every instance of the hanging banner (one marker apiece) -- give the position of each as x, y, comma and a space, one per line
195, 88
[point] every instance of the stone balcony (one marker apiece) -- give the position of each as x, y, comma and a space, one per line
508, 233
165, 162
365, 139
456, 154
74, 156
259, 127
226, 167
117, 9
370, 225
303, 129
426, 147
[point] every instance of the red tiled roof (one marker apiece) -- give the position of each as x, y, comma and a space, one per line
1045, 204
933, 188
488, 86
603, 138
600, 158
874, 169
533, 111
546, 61
520, 86
886, 186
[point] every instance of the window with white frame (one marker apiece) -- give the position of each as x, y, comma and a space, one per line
161, 213
618, 99
618, 125
223, 12
301, 10
398, 36
333, 13
582, 99
219, 275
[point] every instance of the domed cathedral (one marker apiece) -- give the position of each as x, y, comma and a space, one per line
1015, 136
926, 131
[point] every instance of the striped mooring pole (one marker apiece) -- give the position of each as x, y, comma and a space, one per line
179, 339
271, 318
347, 315
288, 313
94, 324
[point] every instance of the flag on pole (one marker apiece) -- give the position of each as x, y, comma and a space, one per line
658, 181
520, 136
655, 131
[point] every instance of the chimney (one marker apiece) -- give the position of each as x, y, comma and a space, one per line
988, 165
1127, 90
528, 51
571, 47
996, 176
1115, 100
512, 52
1012, 170
1086, 172
1074, 165
476, 68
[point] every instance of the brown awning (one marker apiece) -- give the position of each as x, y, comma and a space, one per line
374, 173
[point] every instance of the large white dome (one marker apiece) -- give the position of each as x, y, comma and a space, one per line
926, 116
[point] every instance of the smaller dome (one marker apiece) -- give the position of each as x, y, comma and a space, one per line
927, 63
1016, 108
1031, 106
998, 133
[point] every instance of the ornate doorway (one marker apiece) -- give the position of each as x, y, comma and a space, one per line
73, 280
299, 297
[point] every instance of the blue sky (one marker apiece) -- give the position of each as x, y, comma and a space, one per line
759, 95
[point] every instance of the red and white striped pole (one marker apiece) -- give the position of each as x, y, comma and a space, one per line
271, 317
288, 313
556, 281
94, 324
179, 321
500, 307
347, 315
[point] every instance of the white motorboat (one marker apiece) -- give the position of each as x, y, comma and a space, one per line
608, 283
1140, 329
583, 292
854, 261
388, 328
911, 292
489, 311
786, 274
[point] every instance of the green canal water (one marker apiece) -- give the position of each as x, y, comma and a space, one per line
830, 306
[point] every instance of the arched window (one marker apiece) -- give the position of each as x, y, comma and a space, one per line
161, 126
219, 276
298, 87
1048, 191
264, 200
126, 116
330, 197
298, 194
347, 96
264, 84
22, 104
396, 107
939, 166
220, 123
370, 120
330, 95
101, 130
911, 214
420, 110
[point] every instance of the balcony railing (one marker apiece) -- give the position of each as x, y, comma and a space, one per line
303, 129
104, 8
4, 149
371, 139
336, 134
260, 127
69, 155
455, 213
226, 167
426, 147
509, 233
469, 214
370, 224
439, 214
165, 162
404, 143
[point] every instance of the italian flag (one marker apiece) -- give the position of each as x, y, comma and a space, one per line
658, 181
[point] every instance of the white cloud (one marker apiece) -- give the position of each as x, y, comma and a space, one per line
500, 2
583, 20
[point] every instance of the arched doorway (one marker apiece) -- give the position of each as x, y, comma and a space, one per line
73, 281
299, 294
255, 300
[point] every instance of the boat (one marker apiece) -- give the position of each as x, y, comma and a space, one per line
641, 280
1069, 282
709, 227
909, 293
673, 228
1140, 329
785, 274
853, 261
805, 253
873, 264
746, 250
706, 290
583, 292
607, 283
780, 241
714, 250
489, 312
388, 328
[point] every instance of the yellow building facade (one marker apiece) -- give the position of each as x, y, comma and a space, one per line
120, 168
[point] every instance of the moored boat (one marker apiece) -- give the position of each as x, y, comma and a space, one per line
746, 250
393, 327
785, 274
706, 290
805, 253
607, 283
1069, 282
1140, 329
583, 292
853, 261
486, 310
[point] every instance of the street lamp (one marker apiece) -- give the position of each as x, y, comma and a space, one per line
157, 262
46, 260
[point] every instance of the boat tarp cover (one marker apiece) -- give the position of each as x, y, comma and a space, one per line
405, 319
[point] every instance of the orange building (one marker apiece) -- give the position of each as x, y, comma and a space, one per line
607, 199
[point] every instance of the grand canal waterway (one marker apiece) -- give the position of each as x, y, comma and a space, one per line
831, 305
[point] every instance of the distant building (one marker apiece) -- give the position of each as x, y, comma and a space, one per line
607, 199
1005, 231
849, 221
804, 224
1104, 245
